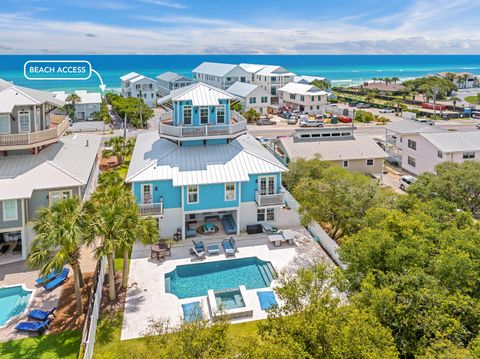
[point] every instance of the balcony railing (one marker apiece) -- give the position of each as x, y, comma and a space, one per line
237, 126
264, 200
151, 209
33, 138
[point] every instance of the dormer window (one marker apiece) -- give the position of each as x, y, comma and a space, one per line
187, 115
204, 115
221, 114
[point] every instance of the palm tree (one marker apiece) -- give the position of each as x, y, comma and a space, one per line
73, 98
116, 146
110, 178
450, 76
375, 79
464, 79
136, 228
395, 79
111, 204
61, 231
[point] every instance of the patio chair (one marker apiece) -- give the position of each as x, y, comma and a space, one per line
200, 253
229, 246
190, 232
198, 244
48, 277
58, 280
33, 327
41, 314
267, 299
192, 311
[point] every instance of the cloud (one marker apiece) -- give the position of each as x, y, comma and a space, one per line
165, 3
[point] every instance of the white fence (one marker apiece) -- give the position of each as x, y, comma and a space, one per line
327, 243
91, 320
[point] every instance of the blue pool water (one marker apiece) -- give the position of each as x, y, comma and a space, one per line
13, 301
194, 280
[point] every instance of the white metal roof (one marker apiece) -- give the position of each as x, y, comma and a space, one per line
272, 70
302, 89
67, 163
201, 95
406, 127
156, 158
129, 76
356, 148
12, 95
241, 89
85, 97
308, 79
458, 141
169, 76
214, 68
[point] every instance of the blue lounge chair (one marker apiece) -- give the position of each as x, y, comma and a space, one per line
48, 277
33, 327
192, 311
41, 314
267, 299
229, 246
58, 280
229, 225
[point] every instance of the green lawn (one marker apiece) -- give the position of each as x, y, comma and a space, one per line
471, 99
108, 344
51, 346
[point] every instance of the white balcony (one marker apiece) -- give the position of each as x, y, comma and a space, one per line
151, 209
19, 141
237, 126
268, 200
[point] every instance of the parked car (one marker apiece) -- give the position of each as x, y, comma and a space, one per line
310, 123
262, 140
387, 110
345, 119
286, 115
265, 121
477, 125
406, 181
426, 121
292, 120
363, 105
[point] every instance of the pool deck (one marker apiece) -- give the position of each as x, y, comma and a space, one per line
146, 298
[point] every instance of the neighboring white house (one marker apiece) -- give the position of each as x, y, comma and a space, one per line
89, 103
139, 86
269, 77
463, 80
250, 96
220, 75
307, 80
169, 81
304, 98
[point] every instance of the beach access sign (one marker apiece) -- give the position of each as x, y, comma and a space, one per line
60, 70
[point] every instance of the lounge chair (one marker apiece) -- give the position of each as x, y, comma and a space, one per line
48, 277
199, 245
58, 280
41, 314
192, 311
267, 299
200, 253
229, 246
229, 225
33, 327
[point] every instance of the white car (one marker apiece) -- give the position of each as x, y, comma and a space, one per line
406, 181
263, 140
387, 110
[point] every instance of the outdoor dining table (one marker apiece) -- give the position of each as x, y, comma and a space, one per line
159, 250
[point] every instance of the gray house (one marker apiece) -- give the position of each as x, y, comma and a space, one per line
39, 166
169, 81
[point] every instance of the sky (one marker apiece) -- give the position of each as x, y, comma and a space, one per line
239, 27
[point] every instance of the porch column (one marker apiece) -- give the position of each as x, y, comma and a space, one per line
35, 117
238, 220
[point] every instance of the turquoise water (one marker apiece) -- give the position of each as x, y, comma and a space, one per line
341, 69
13, 301
231, 299
194, 280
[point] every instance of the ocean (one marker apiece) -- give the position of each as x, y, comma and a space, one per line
340, 69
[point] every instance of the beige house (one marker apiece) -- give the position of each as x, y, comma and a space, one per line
357, 153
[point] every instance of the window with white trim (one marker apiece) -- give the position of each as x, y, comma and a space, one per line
4, 123
57, 196
230, 193
370, 162
192, 196
264, 99
252, 100
187, 115
411, 161
265, 214
23, 121
345, 164
10, 210
220, 114
468, 155
439, 154
412, 144
292, 96
302, 98
203, 115
270, 214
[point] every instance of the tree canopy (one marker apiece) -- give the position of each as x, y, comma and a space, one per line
426, 86
130, 107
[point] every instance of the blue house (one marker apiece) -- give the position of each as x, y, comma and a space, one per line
203, 167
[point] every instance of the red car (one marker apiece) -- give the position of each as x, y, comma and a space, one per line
345, 119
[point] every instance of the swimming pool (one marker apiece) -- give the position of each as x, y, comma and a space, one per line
13, 301
194, 280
